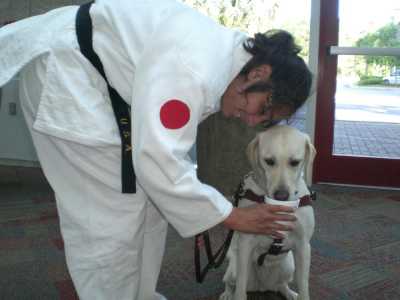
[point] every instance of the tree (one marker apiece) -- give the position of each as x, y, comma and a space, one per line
386, 36
253, 16
247, 15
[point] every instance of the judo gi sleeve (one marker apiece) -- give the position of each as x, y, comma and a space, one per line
168, 104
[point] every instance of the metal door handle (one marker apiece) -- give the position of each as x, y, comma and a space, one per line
335, 50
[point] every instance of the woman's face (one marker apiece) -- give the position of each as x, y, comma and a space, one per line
254, 107
251, 107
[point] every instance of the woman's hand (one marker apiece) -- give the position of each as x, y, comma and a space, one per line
261, 219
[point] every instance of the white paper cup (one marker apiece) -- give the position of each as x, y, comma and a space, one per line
294, 204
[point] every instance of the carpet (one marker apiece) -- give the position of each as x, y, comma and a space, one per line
355, 249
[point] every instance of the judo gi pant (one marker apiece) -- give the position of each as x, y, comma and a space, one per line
114, 242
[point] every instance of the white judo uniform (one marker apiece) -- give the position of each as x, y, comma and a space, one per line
172, 65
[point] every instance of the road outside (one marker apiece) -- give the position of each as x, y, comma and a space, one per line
367, 121
368, 104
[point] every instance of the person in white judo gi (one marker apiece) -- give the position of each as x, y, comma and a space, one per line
173, 67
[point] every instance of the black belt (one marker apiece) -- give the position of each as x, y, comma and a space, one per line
121, 108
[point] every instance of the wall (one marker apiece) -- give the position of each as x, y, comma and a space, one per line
221, 147
16, 148
11, 10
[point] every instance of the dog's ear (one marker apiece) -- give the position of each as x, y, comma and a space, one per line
253, 156
252, 151
309, 160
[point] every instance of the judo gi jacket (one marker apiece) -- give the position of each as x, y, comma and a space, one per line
171, 64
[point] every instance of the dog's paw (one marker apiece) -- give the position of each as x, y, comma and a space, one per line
226, 296
290, 295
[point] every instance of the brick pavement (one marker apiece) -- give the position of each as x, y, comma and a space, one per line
363, 138
367, 139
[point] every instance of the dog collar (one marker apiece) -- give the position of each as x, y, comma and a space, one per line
304, 201
250, 195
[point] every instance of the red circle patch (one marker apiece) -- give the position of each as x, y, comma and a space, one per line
174, 114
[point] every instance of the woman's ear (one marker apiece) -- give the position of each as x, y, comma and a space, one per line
261, 72
257, 74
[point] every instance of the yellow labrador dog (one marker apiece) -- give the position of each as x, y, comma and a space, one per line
281, 158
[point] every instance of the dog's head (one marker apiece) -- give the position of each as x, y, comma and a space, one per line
278, 157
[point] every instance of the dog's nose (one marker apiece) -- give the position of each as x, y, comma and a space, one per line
281, 195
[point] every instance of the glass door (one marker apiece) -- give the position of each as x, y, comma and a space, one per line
358, 95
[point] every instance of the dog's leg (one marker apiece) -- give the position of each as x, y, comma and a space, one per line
286, 269
302, 260
243, 266
230, 275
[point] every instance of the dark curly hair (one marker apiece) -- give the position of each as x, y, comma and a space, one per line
290, 80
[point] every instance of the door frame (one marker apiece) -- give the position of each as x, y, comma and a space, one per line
340, 169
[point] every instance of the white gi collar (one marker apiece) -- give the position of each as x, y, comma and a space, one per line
239, 58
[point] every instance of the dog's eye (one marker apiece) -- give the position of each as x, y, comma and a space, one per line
270, 161
294, 163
